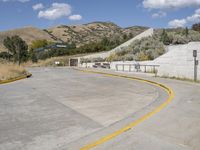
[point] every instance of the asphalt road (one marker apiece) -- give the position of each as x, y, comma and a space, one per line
60, 108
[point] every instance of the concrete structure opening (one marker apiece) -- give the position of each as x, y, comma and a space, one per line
73, 62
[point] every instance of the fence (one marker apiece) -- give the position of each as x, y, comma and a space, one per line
137, 68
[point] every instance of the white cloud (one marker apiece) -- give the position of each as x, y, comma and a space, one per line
177, 23
57, 10
38, 6
169, 4
183, 22
75, 17
195, 17
23, 1
159, 14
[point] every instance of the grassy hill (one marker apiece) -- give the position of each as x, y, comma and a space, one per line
28, 34
78, 34
92, 32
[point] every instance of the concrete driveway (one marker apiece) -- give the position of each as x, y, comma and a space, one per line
60, 105
60, 108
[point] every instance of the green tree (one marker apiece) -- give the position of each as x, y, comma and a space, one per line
39, 43
196, 27
32, 55
130, 36
5, 55
125, 37
165, 38
186, 32
105, 42
17, 48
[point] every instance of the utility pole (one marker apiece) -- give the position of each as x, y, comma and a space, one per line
196, 62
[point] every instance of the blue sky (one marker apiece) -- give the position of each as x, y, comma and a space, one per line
47, 13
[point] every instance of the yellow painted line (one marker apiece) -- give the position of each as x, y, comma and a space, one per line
136, 122
15, 79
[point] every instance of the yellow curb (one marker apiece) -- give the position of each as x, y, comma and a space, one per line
136, 122
15, 79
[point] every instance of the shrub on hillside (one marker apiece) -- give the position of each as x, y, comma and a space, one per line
179, 39
145, 49
39, 44
196, 27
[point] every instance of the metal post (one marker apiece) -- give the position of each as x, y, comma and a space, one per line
116, 67
129, 68
145, 68
195, 64
123, 67
154, 69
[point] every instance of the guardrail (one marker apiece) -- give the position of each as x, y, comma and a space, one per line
137, 68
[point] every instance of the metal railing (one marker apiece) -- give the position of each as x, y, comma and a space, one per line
137, 68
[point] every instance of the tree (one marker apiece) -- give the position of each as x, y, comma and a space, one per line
32, 55
5, 55
165, 38
17, 48
105, 41
130, 36
125, 37
39, 44
196, 27
186, 32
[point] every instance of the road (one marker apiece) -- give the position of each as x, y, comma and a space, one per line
61, 108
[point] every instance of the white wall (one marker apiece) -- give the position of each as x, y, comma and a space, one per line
179, 61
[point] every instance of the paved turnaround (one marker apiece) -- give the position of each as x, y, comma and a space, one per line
60, 108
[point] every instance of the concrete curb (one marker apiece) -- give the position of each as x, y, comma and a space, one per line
16, 79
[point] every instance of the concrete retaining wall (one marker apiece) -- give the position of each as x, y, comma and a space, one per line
178, 61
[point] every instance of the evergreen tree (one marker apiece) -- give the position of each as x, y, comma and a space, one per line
165, 38
186, 32
32, 55
196, 27
130, 36
17, 48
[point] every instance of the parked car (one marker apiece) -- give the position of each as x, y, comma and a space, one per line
105, 65
97, 65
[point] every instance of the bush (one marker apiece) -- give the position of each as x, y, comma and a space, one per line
145, 49
196, 27
5, 55
32, 55
178, 39
39, 44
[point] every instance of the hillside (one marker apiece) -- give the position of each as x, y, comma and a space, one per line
149, 48
78, 34
92, 32
28, 34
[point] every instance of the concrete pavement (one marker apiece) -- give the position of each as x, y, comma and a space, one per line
58, 106
177, 127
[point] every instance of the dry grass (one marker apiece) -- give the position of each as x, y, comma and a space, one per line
28, 34
10, 71
50, 62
